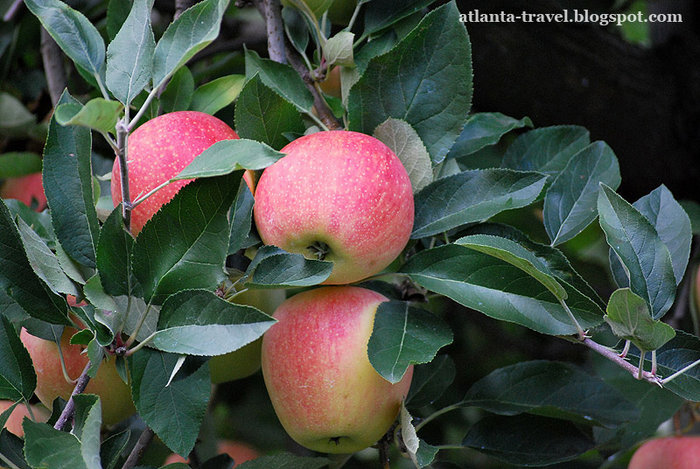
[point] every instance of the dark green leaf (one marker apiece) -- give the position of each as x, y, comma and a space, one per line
178, 94
281, 78
483, 129
188, 317
473, 196
114, 249
499, 290
637, 244
111, 311
175, 252
692, 209
17, 377
39, 221
173, 406
187, 35
553, 389
15, 117
380, 15
217, 94
425, 80
264, 115
73, 32
630, 319
404, 335
130, 54
274, 268
12, 447
430, 381
528, 440
241, 220
113, 447
117, 12
285, 461
426, 453
570, 203
227, 156
67, 177
87, 421
547, 149
98, 114
16, 164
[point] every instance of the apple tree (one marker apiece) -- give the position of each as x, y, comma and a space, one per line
534, 315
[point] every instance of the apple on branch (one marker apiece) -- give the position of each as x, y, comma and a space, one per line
673, 452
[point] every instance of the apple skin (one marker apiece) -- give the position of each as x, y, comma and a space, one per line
158, 151
240, 452
14, 423
323, 388
50, 383
245, 361
673, 452
25, 189
345, 189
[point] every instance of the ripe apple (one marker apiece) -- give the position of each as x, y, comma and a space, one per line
325, 392
158, 151
240, 452
14, 423
26, 189
340, 196
673, 452
246, 360
50, 383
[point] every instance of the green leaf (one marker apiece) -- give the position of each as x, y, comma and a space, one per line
263, 115
178, 94
570, 203
380, 15
114, 249
630, 319
338, 50
407, 145
39, 221
637, 244
547, 149
19, 282
17, 377
528, 440
241, 217
425, 80
73, 32
692, 209
217, 94
274, 268
499, 290
173, 406
191, 32
483, 129
281, 78
472, 196
98, 114
67, 177
12, 447
227, 156
130, 54
113, 447
111, 311
188, 317
15, 117
185, 244
16, 164
404, 335
285, 461
430, 381
117, 12
551, 389
86, 427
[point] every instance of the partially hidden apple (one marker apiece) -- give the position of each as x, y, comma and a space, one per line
246, 360
27, 189
14, 423
340, 196
157, 151
50, 382
240, 452
673, 452
323, 388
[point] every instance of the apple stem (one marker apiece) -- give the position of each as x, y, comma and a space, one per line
641, 364
579, 329
653, 362
625, 350
68, 411
319, 250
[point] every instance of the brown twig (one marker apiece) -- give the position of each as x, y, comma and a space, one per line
69, 409
142, 443
52, 57
271, 11
612, 355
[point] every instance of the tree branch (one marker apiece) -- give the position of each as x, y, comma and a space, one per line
122, 136
612, 355
272, 12
12, 11
52, 57
142, 443
69, 410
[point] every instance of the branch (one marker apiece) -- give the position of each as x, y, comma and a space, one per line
12, 11
52, 57
272, 12
69, 410
143, 442
612, 355
122, 136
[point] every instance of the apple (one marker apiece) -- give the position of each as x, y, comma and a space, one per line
246, 360
14, 423
240, 452
673, 452
50, 382
340, 196
323, 388
157, 151
27, 189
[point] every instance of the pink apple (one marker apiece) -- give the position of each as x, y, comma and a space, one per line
673, 452
240, 452
50, 382
325, 392
26, 189
340, 196
158, 151
14, 423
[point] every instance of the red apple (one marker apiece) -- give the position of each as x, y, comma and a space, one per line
26, 189
50, 382
674, 452
340, 196
325, 392
158, 151
14, 423
240, 452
